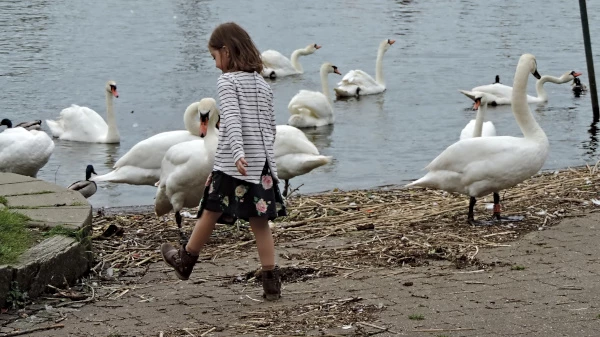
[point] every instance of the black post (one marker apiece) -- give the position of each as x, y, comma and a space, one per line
589, 59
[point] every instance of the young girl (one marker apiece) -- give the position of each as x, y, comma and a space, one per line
243, 183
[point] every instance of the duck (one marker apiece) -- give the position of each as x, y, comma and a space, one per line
32, 125
482, 165
82, 124
497, 80
276, 65
502, 93
24, 152
141, 165
313, 108
295, 155
86, 187
578, 87
186, 166
477, 127
358, 82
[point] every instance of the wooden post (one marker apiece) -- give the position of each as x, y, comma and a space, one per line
589, 59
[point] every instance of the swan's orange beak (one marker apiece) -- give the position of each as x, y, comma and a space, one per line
391, 42
317, 46
115, 93
477, 104
576, 74
337, 71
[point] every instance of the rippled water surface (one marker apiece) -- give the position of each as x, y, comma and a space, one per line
57, 53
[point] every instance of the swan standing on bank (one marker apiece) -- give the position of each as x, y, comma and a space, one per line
86, 187
33, 125
477, 127
313, 108
502, 93
358, 82
295, 155
24, 152
276, 65
186, 166
141, 164
484, 165
82, 124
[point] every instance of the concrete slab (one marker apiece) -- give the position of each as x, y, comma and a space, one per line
29, 187
76, 216
64, 198
11, 178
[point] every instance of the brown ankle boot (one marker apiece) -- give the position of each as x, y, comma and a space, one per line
271, 280
182, 261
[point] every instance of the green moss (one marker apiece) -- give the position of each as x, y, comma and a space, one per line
3, 201
416, 317
14, 236
64, 231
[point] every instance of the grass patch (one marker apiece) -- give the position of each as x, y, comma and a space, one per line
517, 267
64, 231
14, 236
40, 192
3, 201
79, 203
416, 317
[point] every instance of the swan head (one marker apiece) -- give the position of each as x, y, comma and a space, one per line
570, 76
386, 44
6, 122
111, 88
529, 60
209, 113
482, 98
88, 172
311, 48
329, 68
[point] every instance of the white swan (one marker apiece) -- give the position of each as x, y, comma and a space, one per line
358, 82
24, 152
313, 108
295, 155
502, 93
484, 165
82, 124
32, 125
186, 166
86, 187
141, 164
276, 65
477, 127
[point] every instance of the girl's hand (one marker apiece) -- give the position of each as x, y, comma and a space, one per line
241, 166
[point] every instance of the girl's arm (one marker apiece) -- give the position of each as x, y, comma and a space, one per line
231, 117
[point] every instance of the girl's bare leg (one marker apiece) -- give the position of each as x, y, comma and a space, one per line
264, 242
202, 231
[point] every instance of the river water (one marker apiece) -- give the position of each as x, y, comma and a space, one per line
56, 53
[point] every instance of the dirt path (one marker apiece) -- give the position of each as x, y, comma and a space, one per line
545, 284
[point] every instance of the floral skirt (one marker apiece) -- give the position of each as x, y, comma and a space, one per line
239, 199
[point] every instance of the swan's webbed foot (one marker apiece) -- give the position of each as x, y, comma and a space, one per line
497, 210
471, 218
474, 222
357, 92
272, 75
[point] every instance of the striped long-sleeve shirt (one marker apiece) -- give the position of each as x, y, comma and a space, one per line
247, 127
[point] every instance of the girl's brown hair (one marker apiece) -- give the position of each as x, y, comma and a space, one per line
243, 55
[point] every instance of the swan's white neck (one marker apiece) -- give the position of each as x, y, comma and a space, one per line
325, 83
294, 58
379, 65
191, 119
539, 85
111, 121
212, 134
528, 125
479, 119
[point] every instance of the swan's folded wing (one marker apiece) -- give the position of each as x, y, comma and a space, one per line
496, 89
459, 156
149, 152
359, 78
314, 102
275, 60
290, 140
82, 121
